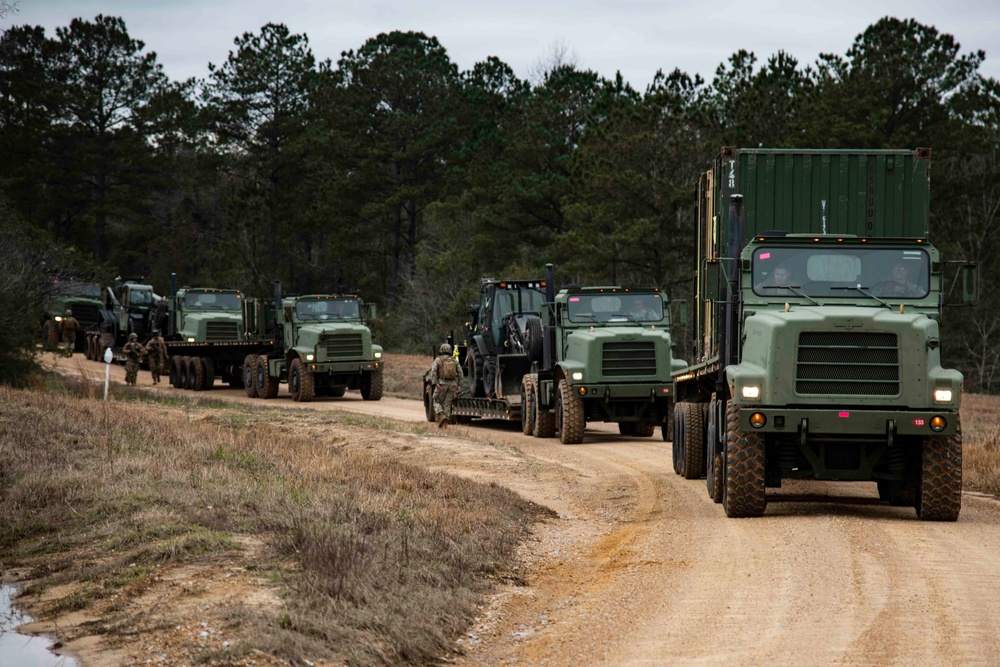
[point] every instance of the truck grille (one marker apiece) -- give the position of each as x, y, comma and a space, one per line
86, 315
217, 332
847, 363
625, 359
345, 346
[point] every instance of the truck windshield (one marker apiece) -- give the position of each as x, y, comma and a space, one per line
823, 271
328, 309
213, 301
616, 307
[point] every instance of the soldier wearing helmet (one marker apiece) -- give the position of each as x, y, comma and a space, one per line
156, 351
68, 326
134, 352
446, 379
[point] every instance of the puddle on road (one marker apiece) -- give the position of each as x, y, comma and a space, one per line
24, 650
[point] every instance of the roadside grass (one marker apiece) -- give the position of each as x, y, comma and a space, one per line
376, 562
404, 374
981, 443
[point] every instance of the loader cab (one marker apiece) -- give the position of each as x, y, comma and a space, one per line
499, 300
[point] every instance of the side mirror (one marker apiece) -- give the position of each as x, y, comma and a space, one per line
370, 312
712, 279
970, 283
682, 312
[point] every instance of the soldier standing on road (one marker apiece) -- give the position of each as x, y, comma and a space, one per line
67, 330
446, 378
156, 350
134, 352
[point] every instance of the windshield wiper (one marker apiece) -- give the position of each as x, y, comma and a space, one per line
794, 289
859, 288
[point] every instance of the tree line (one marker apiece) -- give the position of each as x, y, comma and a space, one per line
393, 173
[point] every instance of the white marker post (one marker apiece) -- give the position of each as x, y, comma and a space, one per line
108, 358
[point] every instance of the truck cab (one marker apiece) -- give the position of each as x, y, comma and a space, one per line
81, 298
205, 315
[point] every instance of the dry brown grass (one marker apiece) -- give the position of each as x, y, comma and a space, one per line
981, 440
404, 374
377, 562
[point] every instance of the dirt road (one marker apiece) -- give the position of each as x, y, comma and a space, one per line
641, 568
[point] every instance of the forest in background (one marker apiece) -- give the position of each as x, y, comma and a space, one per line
393, 173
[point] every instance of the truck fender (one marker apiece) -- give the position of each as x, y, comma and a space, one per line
480, 345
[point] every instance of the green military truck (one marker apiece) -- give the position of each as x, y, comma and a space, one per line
81, 298
322, 346
818, 344
586, 354
202, 328
127, 309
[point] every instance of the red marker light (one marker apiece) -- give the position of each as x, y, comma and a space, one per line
844, 415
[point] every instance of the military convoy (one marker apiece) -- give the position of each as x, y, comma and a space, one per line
557, 361
818, 353
318, 345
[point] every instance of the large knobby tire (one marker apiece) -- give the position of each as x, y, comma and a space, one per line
429, 402
184, 372
744, 491
300, 382
475, 363
527, 404
693, 455
939, 496
175, 372
209, 373
267, 385
645, 429
570, 420
713, 457
371, 385
897, 493
533, 338
626, 428
196, 373
337, 392
677, 436
50, 333
545, 421
667, 427
250, 375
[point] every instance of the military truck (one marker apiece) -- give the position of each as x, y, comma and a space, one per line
585, 354
81, 298
322, 347
126, 310
203, 330
818, 351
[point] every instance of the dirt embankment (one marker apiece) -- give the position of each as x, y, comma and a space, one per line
641, 568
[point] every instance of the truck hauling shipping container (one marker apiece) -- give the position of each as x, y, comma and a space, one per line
322, 347
818, 346
557, 361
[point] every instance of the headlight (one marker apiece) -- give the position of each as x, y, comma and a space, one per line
378, 355
190, 339
751, 391
310, 357
577, 375
942, 395
57, 318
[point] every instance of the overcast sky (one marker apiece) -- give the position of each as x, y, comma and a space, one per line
636, 37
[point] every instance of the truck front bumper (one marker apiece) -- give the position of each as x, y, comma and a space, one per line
614, 392
340, 367
871, 423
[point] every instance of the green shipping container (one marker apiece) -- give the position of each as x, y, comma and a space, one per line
872, 193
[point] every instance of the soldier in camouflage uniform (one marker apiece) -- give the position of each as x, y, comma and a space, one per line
134, 352
446, 378
156, 351
67, 331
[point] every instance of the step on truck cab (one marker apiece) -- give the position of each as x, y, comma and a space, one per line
818, 351
322, 347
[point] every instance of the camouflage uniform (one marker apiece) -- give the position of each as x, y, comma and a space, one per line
67, 330
445, 390
134, 352
156, 350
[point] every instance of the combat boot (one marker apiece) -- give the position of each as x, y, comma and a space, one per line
441, 420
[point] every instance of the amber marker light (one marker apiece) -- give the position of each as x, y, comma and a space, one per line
757, 420
938, 423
